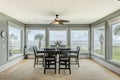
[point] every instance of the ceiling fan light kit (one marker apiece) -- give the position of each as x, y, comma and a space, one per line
56, 22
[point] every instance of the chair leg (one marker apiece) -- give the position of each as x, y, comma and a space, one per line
34, 62
65, 64
55, 67
78, 62
37, 60
70, 71
43, 62
59, 67
45, 67
44, 70
69, 68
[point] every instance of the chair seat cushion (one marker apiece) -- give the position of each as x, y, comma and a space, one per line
39, 55
49, 58
64, 59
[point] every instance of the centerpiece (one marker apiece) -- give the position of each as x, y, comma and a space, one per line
58, 43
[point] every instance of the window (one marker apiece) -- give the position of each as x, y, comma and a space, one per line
57, 36
99, 40
14, 41
116, 41
80, 38
35, 38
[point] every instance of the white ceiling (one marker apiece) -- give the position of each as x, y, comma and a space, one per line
76, 11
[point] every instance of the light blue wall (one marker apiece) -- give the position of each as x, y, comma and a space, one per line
3, 43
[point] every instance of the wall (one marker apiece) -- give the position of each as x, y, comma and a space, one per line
3, 42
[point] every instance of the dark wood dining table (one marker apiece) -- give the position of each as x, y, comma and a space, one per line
57, 51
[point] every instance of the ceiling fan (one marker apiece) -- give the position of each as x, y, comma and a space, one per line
58, 20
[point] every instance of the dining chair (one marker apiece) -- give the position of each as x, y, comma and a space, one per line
64, 60
50, 58
75, 56
37, 57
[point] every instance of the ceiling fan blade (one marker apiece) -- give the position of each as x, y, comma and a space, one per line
64, 21
58, 21
61, 23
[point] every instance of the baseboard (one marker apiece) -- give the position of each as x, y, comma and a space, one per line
11, 63
107, 65
84, 56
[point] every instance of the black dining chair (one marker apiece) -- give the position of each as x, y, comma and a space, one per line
50, 59
75, 55
64, 60
37, 57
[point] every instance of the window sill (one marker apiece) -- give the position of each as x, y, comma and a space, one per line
114, 62
14, 56
99, 56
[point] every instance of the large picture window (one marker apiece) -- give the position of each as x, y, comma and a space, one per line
99, 40
14, 41
116, 41
57, 37
80, 38
35, 38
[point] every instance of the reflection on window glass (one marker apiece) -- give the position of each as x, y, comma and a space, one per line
14, 41
35, 38
99, 41
57, 38
116, 41
80, 38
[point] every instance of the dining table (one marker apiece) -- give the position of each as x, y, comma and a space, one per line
57, 50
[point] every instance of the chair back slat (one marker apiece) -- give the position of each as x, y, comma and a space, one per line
78, 49
49, 53
35, 50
